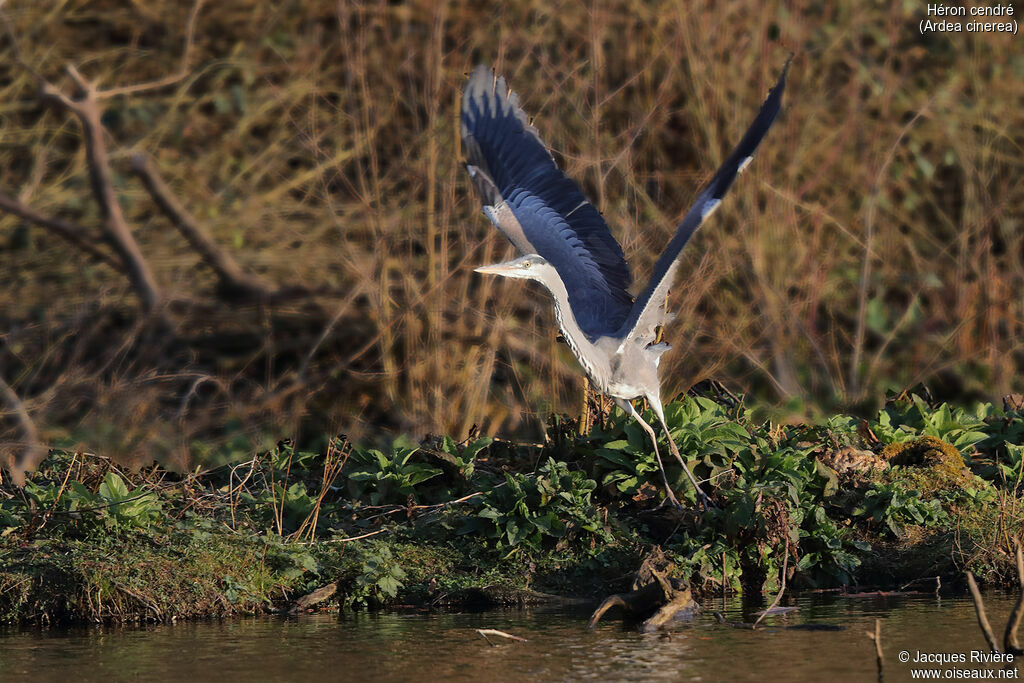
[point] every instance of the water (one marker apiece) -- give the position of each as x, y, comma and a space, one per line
416, 646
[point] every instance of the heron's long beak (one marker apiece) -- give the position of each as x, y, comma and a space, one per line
495, 269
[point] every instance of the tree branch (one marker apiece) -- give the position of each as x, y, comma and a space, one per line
65, 229
233, 280
181, 74
86, 107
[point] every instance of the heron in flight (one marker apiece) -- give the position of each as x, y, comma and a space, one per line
567, 247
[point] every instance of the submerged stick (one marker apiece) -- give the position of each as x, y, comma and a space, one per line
782, 587
1010, 642
877, 637
979, 608
495, 632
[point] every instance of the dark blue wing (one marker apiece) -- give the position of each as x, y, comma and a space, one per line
538, 207
647, 311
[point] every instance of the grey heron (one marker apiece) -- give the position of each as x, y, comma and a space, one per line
567, 247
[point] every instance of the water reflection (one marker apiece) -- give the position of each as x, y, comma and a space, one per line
426, 647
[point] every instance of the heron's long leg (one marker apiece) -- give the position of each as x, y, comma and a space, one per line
659, 411
628, 407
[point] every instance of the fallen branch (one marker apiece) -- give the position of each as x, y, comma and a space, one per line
657, 595
936, 579
316, 597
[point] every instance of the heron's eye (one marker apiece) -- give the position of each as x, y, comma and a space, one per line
526, 264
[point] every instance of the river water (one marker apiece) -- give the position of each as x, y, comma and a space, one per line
421, 646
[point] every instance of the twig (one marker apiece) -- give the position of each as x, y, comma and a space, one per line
877, 637
345, 540
233, 280
332, 468
782, 588
183, 69
979, 608
1010, 643
63, 484
62, 228
413, 508
85, 106
495, 632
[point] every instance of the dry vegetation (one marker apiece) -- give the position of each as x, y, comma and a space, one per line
875, 243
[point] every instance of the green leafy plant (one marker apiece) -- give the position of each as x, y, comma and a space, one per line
906, 419
775, 495
379, 579
112, 506
896, 506
464, 457
707, 436
827, 555
388, 477
529, 508
627, 463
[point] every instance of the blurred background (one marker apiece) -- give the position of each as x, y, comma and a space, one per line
874, 244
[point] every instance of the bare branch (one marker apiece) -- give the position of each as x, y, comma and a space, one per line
65, 229
877, 637
51, 94
782, 587
979, 608
1010, 642
31, 451
232, 278
88, 111
81, 82
181, 74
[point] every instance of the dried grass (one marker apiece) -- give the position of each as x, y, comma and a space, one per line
318, 142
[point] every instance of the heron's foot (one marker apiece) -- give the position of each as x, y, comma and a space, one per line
704, 500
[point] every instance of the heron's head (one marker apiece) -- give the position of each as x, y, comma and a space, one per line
529, 267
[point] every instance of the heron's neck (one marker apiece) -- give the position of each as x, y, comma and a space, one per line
577, 339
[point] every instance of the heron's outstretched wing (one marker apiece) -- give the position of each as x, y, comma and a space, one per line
647, 311
538, 207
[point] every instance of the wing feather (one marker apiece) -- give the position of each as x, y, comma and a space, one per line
538, 207
647, 312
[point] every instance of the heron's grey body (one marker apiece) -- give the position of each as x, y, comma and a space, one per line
567, 247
